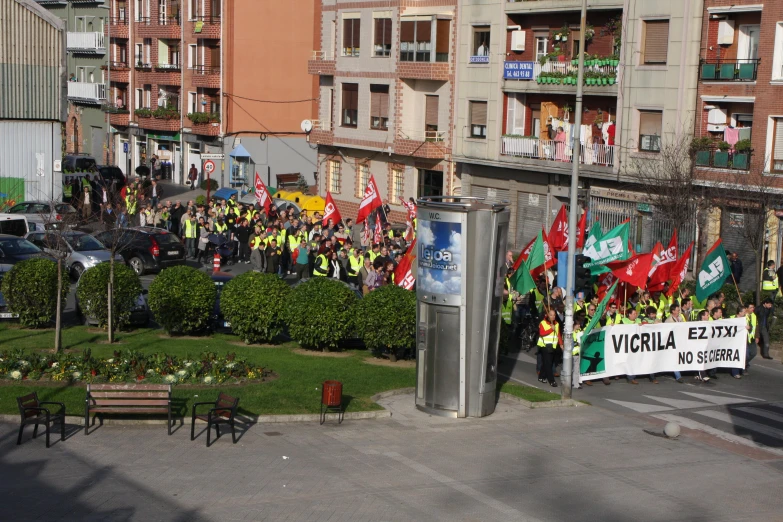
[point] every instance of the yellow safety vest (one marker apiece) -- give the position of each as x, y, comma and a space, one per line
508, 305
257, 241
373, 255
355, 266
628, 321
391, 234
67, 190
578, 307
769, 285
577, 344
663, 305
130, 205
539, 298
322, 266
293, 241
220, 228
552, 338
617, 319
190, 229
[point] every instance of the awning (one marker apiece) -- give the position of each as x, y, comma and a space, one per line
729, 99
239, 152
735, 9
224, 193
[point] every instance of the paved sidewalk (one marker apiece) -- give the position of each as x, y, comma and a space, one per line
517, 465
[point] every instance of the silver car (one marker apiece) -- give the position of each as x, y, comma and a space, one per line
44, 214
81, 251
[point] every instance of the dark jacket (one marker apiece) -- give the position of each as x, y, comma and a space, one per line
272, 259
736, 269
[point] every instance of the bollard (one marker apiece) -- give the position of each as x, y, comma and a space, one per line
216, 263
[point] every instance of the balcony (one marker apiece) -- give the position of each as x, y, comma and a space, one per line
162, 27
728, 70
119, 116
424, 70
146, 119
119, 73
206, 77
555, 6
206, 129
87, 93
86, 43
723, 159
322, 62
600, 76
322, 133
421, 143
550, 150
206, 27
117, 27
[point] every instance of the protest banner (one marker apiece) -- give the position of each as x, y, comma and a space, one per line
667, 347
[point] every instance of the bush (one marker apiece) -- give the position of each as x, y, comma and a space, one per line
30, 289
386, 320
93, 293
253, 303
182, 299
201, 200
318, 313
213, 185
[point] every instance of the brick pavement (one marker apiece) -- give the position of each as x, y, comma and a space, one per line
517, 465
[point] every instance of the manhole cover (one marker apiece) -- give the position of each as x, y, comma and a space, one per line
272, 433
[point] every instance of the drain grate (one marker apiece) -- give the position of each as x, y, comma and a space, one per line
272, 433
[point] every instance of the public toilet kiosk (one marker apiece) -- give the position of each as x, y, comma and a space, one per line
461, 247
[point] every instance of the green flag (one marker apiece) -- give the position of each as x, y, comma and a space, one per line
714, 271
522, 281
613, 246
599, 312
537, 255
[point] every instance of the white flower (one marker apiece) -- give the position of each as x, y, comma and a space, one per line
72, 367
76, 375
208, 379
16, 375
55, 365
182, 374
231, 365
110, 360
23, 363
188, 364
150, 371
171, 379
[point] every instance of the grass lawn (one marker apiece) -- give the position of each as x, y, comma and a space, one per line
295, 390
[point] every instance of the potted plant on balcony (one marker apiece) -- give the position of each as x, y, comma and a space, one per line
721, 157
567, 109
741, 156
700, 149
143, 113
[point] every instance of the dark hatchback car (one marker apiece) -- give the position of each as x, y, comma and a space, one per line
112, 175
15, 249
145, 249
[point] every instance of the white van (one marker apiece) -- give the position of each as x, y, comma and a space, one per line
15, 225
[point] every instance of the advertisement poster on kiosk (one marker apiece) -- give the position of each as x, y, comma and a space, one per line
439, 257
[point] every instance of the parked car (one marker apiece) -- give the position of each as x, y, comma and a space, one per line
140, 313
15, 225
78, 163
111, 174
44, 214
219, 323
146, 249
15, 249
5, 315
81, 251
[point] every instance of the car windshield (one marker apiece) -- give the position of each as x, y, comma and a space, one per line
18, 246
64, 208
18, 209
167, 239
84, 243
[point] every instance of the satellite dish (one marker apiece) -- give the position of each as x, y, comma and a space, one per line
307, 126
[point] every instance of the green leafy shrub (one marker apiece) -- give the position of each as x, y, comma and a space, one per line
94, 296
182, 299
213, 185
201, 199
386, 320
143, 113
30, 289
318, 313
253, 303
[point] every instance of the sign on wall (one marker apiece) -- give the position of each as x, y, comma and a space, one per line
439, 257
518, 70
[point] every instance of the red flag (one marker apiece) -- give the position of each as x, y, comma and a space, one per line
624, 292
605, 283
679, 270
367, 232
330, 211
633, 270
378, 237
524, 254
580, 230
668, 257
549, 259
403, 275
656, 252
631, 251
558, 234
410, 206
370, 201
262, 195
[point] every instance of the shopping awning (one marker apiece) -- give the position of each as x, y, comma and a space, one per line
239, 152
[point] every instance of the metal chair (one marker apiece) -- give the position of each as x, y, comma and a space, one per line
223, 411
31, 412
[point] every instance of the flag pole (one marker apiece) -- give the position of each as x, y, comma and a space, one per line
576, 152
739, 294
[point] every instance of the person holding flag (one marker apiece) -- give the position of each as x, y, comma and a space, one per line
548, 343
588, 360
263, 198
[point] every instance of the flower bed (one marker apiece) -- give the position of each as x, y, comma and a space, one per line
129, 366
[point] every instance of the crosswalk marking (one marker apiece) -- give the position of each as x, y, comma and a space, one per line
679, 404
714, 399
640, 406
763, 413
743, 423
706, 428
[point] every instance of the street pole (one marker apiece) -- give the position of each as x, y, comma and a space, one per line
576, 150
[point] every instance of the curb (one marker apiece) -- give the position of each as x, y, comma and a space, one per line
392, 393
560, 403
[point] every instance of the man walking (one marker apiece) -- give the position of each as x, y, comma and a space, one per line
242, 233
736, 267
764, 315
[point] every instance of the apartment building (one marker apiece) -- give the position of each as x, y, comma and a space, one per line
386, 77
640, 72
177, 69
86, 44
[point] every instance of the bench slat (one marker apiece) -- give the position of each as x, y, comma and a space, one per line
130, 387
128, 394
127, 402
129, 410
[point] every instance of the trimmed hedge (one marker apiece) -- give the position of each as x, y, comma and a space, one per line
318, 313
386, 320
213, 185
182, 299
253, 303
93, 293
30, 290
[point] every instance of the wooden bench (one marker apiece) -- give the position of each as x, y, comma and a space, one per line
127, 399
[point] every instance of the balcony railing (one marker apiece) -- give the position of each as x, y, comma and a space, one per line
421, 135
550, 150
169, 20
207, 19
203, 70
92, 93
119, 65
322, 55
729, 70
118, 20
88, 43
143, 20
569, 69
169, 66
723, 159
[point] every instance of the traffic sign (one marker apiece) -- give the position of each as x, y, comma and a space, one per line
209, 166
125, 147
213, 156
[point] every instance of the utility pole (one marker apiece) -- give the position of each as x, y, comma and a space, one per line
576, 152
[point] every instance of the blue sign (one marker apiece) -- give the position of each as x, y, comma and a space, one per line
518, 70
125, 147
479, 59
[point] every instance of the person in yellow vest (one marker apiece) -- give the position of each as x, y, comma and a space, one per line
538, 299
191, 231
220, 227
632, 317
548, 342
769, 281
355, 263
662, 305
321, 267
643, 303
507, 311
579, 302
750, 327
577, 349
613, 317
375, 252
130, 206
258, 257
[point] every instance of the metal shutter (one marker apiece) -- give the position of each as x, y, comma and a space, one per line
732, 234
431, 110
531, 217
656, 41
442, 36
650, 123
383, 31
478, 113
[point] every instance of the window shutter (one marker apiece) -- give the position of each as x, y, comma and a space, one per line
424, 31
406, 31
778, 139
478, 113
383, 101
375, 104
650, 123
431, 111
350, 96
215, 58
357, 32
656, 41
347, 32
442, 36
382, 31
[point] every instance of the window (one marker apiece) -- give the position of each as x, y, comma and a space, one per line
515, 114
139, 54
777, 146
650, 125
383, 37
351, 34
192, 102
430, 183
478, 119
656, 42
363, 178
379, 107
333, 176
415, 40
777, 57
442, 40
431, 117
480, 45
139, 98
147, 50
542, 43
193, 55
195, 9
398, 184
147, 95
350, 104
